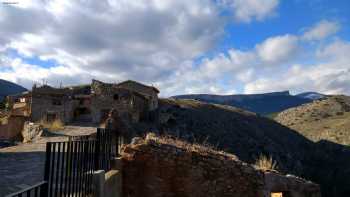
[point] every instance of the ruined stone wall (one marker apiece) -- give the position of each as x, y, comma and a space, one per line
31, 131
129, 105
290, 186
162, 167
149, 92
42, 105
12, 129
161, 170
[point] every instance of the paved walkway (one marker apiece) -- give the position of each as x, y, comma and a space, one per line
23, 165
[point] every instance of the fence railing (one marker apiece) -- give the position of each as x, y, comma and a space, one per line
106, 148
69, 165
69, 168
37, 190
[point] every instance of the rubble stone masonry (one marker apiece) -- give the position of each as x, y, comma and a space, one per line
154, 167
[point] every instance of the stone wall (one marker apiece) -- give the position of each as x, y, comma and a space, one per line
149, 92
130, 105
59, 106
164, 167
31, 131
156, 169
12, 129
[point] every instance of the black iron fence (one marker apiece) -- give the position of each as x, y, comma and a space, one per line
69, 165
37, 190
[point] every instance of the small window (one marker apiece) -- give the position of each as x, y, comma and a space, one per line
56, 102
22, 100
51, 117
116, 97
276, 194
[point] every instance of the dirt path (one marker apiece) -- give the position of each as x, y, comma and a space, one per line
23, 165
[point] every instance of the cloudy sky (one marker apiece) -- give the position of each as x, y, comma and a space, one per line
179, 46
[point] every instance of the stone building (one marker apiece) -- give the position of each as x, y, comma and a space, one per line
86, 103
149, 92
130, 104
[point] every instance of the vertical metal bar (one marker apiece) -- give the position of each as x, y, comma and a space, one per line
109, 149
71, 168
52, 168
91, 156
77, 168
36, 190
66, 179
80, 167
102, 150
44, 189
92, 164
74, 170
63, 168
85, 163
97, 149
58, 168
28, 193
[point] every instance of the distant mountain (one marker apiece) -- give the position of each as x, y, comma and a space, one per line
311, 95
264, 104
8, 88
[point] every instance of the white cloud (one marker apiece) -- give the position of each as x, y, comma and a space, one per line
150, 41
248, 10
331, 75
158, 41
143, 40
321, 30
278, 49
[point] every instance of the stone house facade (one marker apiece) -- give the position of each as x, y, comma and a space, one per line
131, 105
89, 103
150, 92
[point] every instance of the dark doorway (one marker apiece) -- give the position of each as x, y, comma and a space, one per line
82, 114
50, 117
104, 115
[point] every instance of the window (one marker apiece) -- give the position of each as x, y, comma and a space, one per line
51, 117
276, 194
56, 102
22, 100
280, 194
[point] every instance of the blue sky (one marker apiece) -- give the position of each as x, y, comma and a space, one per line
199, 46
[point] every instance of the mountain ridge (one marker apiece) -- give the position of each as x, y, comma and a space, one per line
9, 88
264, 103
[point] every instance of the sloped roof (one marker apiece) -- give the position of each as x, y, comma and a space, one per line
138, 83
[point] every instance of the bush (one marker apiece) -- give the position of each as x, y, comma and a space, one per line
266, 163
53, 126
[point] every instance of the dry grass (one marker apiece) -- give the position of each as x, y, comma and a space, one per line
266, 163
3, 120
203, 148
53, 126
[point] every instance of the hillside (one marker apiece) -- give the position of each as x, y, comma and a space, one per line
325, 119
8, 88
259, 103
248, 135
